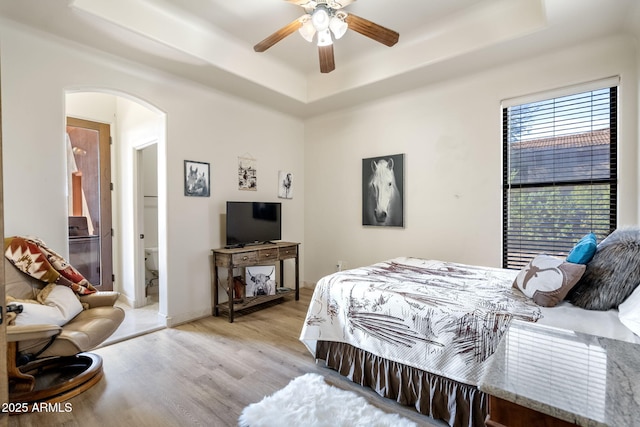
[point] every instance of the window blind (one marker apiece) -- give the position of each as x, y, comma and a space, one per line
559, 173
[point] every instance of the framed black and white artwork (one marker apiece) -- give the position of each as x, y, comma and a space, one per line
285, 185
383, 191
197, 179
247, 174
261, 280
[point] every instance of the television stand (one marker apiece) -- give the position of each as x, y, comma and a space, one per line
247, 256
239, 245
242, 245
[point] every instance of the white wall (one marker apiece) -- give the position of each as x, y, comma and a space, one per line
97, 107
202, 125
150, 175
451, 136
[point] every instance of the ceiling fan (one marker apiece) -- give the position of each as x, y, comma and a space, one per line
324, 18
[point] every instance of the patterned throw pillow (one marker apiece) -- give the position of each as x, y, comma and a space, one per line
547, 280
33, 257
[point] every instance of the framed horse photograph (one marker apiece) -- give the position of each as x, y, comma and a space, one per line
197, 179
383, 191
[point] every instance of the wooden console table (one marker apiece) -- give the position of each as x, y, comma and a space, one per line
247, 256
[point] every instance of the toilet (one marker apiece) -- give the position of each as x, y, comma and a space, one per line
151, 259
151, 266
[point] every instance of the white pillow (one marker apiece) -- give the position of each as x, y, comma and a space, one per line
60, 306
629, 311
65, 300
38, 314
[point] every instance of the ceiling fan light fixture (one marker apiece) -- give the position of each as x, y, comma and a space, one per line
320, 18
338, 27
324, 38
307, 31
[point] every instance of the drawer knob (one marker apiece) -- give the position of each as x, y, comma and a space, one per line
244, 258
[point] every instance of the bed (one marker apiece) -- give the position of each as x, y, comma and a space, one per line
421, 332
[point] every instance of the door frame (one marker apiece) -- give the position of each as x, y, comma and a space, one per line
139, 227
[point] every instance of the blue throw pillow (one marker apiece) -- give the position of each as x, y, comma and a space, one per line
584, 250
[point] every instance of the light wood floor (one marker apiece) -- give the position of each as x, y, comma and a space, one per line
202, 374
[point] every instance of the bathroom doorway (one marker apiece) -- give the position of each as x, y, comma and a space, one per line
147, 171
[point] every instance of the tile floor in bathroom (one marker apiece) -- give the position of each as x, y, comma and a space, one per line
137, 321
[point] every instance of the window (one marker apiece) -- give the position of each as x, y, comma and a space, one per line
559, 173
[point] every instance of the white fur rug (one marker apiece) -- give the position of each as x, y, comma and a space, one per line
310, 402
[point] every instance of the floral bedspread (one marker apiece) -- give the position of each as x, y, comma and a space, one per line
441, 317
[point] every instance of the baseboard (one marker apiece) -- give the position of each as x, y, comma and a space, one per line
126, 300
133, 303
187, 317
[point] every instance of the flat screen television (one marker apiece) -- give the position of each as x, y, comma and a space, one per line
253, 223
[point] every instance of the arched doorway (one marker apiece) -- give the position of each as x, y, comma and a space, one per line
134, 125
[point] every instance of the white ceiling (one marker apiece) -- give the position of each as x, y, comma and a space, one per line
211, 41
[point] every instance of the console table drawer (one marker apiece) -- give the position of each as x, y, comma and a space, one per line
288, 252
268, 254
244, 258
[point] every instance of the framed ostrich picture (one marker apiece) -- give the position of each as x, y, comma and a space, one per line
196, 179
383, 191
261, 280
285, 185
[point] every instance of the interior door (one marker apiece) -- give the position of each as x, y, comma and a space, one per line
90, 233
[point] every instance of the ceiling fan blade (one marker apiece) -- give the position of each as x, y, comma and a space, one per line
303, 3
274, 38
339, 4
373, 31
333, 4
327, 63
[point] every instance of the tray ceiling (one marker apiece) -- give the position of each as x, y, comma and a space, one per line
211, 41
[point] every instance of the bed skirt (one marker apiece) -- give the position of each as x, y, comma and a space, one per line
459, 405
